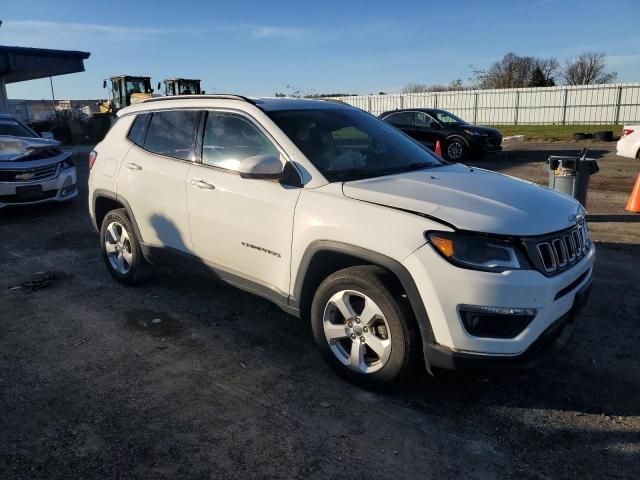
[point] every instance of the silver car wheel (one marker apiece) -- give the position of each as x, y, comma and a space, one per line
455, 150
357, 331
117, 246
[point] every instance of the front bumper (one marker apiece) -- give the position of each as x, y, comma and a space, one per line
61, 188
444, 287
484, 145
548, 344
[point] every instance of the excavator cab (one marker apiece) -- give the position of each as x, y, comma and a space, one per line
181, 86
126, 89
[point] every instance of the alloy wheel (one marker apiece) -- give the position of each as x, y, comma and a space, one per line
357, 331
455, 150
117, 246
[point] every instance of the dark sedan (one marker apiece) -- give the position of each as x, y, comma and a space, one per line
459, 140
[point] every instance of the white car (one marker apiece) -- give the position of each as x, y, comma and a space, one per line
33, 169
629, 143
339, 218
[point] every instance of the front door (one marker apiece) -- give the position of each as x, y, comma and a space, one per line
241, 226
427, 130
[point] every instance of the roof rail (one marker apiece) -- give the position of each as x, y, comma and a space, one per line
333, 100
212, 96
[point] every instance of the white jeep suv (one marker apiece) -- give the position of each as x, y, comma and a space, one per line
339, 218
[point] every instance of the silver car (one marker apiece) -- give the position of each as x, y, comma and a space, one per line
33, 169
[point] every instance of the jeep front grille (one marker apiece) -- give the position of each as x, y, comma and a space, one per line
558, 252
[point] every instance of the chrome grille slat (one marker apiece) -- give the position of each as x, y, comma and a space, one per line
558, 253
29, 174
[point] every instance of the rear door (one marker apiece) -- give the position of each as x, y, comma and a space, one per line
242, 226
152, 177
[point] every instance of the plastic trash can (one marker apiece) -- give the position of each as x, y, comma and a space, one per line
570, 175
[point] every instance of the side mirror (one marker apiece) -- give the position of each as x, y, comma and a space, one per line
47, 135
104, 84
264, 167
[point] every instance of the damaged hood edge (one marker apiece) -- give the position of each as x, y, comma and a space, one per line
14, 148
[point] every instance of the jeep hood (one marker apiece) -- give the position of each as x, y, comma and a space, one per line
472, 199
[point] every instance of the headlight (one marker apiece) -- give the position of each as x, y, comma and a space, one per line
473, 132
478, 252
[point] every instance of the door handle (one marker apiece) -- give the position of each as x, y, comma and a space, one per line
133, 166
202, 184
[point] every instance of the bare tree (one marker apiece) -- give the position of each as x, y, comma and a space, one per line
513, 71
587, 69
416, 88
423, 88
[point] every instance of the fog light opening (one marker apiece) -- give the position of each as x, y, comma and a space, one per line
495, 322
68, 190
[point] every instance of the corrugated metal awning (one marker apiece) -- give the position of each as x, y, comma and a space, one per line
18, 64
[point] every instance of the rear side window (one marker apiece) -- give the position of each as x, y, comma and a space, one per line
138, 129
172, 133
401, 119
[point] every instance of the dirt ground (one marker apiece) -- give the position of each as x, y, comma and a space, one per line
226, 385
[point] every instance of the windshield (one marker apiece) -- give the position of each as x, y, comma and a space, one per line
349, 144
188, 88
447, 118
16, 129
136, 86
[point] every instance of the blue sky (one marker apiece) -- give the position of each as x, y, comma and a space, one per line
258, 48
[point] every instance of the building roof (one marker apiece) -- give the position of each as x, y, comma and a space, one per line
18, 64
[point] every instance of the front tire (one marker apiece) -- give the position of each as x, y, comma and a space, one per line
363, 328
456, 150
121, 249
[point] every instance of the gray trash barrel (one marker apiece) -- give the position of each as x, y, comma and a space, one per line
570, 175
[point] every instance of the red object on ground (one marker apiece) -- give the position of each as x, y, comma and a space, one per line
633, 205
438, 149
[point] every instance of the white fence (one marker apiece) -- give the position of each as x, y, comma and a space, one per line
567, 105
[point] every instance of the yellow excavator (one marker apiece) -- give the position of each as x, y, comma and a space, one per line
181, 86
125, 90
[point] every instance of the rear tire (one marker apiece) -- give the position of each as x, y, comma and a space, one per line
121, 249
363, 303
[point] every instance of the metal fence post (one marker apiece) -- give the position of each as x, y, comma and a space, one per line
475, 108
435, 100
564, 106
616, 118
515, 116
401, 100
369, 103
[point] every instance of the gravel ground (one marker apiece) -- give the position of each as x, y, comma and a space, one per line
185, 378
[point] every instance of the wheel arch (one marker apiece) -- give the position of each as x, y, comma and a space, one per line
104, 201
324, 257
457, 136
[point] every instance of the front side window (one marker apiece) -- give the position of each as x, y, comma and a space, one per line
230, 138
448, 118
172, 133
424, 120
348, 144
